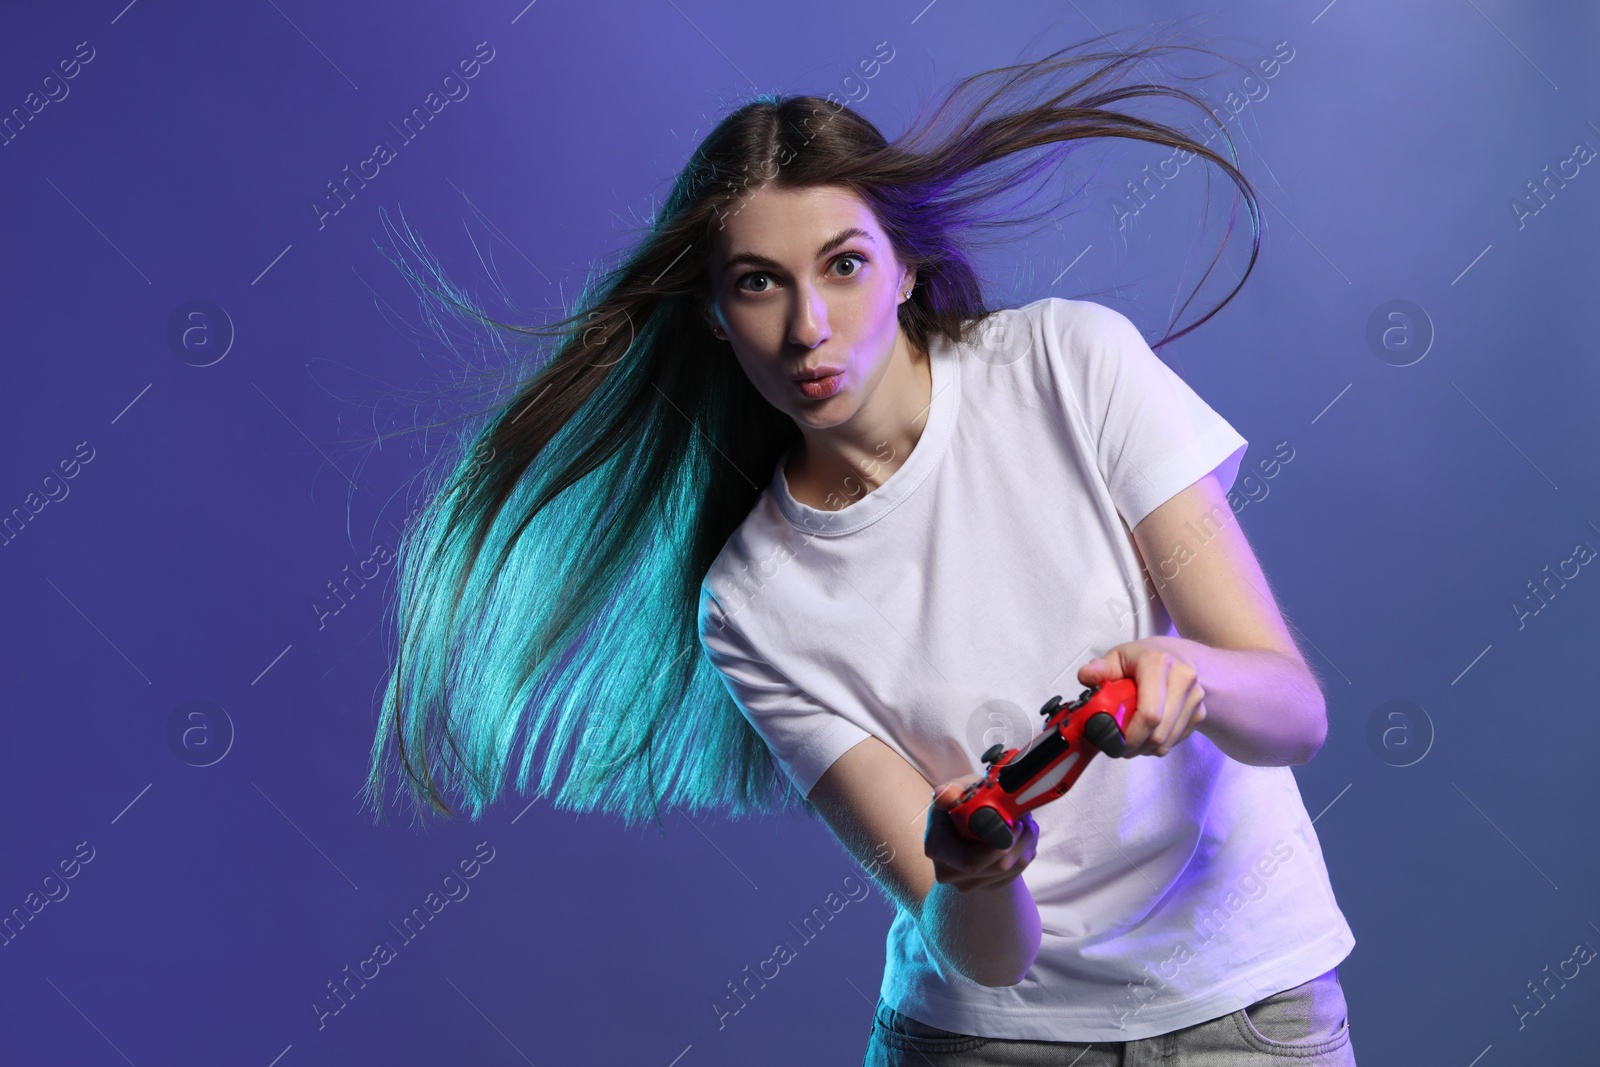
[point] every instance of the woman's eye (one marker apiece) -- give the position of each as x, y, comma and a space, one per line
852, 256
745, 286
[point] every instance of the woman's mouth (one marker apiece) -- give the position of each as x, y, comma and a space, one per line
822, 387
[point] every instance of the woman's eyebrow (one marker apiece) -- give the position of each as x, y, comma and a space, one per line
754, 259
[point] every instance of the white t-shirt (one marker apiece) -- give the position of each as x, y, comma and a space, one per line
939, 611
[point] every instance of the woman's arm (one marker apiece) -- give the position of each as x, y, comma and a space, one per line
974, 910
1261, 703
1257, 701
1258, 706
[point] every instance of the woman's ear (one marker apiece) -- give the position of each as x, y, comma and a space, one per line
909, 282
711, 322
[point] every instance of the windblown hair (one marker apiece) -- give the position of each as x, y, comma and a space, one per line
548, 591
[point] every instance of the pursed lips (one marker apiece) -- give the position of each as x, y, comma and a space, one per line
819, 373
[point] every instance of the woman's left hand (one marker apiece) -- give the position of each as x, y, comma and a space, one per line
1171, 701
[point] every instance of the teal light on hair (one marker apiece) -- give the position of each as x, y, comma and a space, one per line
543, 639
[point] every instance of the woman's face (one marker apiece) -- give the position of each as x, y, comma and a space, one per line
806, 289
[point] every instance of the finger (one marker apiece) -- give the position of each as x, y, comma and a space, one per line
966, 881
1185, 722
962, 859
1178, 677
1138, 736
1022, 849
1096, 669
1197, 715
1151, 683
939, 827
1016, 860
989, 878
960, 855
948, 795
1007, 867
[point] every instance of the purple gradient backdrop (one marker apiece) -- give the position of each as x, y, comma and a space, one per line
220, 500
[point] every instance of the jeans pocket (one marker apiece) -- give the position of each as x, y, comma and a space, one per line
1308, 1020
905, 1034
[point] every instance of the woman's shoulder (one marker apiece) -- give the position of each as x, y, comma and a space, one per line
1058, 333
1067, 316
1063, 321
749, 552
1032, 336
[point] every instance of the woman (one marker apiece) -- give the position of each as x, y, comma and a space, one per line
788, 433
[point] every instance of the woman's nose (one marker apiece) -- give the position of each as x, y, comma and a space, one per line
808, 325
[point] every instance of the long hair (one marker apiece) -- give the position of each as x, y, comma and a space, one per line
548, 591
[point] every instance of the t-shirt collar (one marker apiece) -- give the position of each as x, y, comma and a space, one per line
942, 408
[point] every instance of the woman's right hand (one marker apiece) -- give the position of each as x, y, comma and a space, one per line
969, 865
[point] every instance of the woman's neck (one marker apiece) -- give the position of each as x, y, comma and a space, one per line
831, 469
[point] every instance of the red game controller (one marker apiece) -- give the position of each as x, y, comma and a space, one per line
1019, 781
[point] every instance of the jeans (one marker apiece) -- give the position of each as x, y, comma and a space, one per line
1305, 1024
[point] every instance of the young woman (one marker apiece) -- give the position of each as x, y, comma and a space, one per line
793, 519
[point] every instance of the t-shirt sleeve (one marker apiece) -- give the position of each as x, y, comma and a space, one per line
804, 736
1152, 435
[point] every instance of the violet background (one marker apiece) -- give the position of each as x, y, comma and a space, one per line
220, 500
